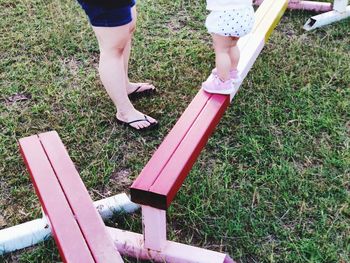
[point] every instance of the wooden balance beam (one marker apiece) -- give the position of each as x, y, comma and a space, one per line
156, 186
77, 227
162, 177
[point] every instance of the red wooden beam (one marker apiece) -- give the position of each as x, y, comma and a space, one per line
93, 228
163, 175
151, 171
66, 232
157, 186
175, 172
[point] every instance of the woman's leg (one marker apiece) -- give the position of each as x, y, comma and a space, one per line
127, 49
222, 47
130, 86
112, 42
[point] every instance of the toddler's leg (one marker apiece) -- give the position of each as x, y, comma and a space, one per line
222, 47
234, 54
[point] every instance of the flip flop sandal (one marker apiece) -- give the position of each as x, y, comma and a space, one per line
152, 125
137, 94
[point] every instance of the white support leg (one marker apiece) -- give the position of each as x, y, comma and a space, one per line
305, 5
340, 5
24, 235
36, 231
329, 17
154, 228
115, 204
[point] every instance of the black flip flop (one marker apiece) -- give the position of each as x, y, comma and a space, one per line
152, 125
136, 94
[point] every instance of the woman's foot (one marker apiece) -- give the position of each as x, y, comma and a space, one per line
136, 120
138, 88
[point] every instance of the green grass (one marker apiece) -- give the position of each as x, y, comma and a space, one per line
273, 183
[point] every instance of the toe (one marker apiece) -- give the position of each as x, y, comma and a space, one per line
140, 87
151, 120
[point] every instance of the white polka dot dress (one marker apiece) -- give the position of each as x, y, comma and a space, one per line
234, 23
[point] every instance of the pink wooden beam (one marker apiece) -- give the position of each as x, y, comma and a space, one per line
154, 228
305, 5
132, 245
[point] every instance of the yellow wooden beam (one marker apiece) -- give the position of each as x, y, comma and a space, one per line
270, 18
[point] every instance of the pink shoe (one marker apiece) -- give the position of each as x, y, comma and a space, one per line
215, 85
234, 75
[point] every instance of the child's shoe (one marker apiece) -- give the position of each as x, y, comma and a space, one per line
215, 85
234, 75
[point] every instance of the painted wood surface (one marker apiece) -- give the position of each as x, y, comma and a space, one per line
90, 222
66, 232
132, 244
164, 174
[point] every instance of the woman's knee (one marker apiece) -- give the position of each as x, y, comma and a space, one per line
112, 51
112, 40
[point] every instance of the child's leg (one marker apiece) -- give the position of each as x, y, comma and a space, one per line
112, 42
234, 54
222, 47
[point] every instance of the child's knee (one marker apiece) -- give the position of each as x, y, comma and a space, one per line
222, 47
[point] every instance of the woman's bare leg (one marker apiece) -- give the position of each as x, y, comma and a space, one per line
112, 42
130, 86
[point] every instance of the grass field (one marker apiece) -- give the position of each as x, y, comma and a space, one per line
273, 183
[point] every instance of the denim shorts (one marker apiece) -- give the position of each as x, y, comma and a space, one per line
107, 16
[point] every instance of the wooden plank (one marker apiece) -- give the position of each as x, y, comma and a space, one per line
174, 173
185, 155
261, 12
66, 232
162, 155
263, 25
252, 44
271, 19
131, 244
151, 171
90, 222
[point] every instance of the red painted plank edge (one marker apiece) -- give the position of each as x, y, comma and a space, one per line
162, 155
152, 169
142, 194
91, 224
177, 169
65, 229
169, 180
